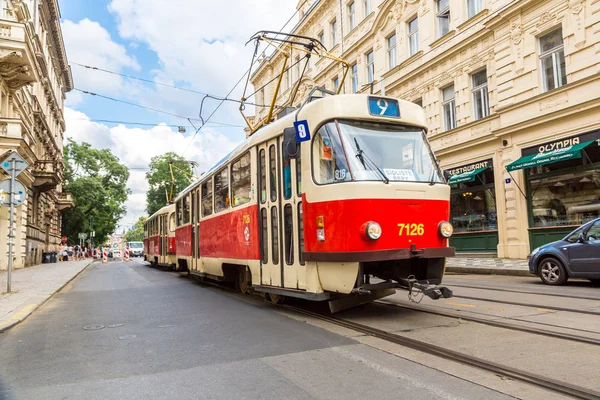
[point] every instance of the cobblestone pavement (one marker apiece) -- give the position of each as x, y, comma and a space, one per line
499, 266
32, 286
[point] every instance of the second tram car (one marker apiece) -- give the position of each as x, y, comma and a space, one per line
321, 201
159, 238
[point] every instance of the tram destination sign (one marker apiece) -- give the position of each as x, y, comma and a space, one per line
383, 107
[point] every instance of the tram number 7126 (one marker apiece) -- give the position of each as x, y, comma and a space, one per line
411, 229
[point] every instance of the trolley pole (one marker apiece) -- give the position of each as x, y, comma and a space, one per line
11, 235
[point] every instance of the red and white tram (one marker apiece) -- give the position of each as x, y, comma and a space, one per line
159, 238
317, 211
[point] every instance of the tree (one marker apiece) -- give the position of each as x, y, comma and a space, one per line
136, 232
98, 183
159, 179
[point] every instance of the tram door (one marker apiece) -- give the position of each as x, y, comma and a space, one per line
195, 231
164, 238
278, 198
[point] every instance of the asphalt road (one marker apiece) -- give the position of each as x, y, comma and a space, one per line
164, 336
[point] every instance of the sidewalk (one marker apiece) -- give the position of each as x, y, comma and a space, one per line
31, 288
489, 266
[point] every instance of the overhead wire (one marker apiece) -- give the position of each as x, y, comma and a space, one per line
108, 121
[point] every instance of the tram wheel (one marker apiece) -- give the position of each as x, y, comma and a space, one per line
242, 283
275, 298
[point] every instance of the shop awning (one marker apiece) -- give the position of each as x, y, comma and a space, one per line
533, 160
468, 176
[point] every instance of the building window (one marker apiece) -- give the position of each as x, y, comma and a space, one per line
333, 26
221, 191
370, 67
207, 198
297, 64
413, 36
552, 57
481, 103
336, 84
354, 78
443, 17
392, 53
449, 108
322, 38
351, 16
288, 79
367, 7
419, 102
240, 180
473, 8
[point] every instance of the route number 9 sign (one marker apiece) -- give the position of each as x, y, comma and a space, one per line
302, 132
381, 106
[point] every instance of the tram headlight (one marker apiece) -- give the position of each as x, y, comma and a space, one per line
373, 230
446, 229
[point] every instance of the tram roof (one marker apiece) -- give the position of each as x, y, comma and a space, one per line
340, 106
163, 210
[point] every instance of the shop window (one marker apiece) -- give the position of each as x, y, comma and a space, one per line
351, 16
449, 107
221, 190
552, 58
274, 235
263, 176
473, 204
370, 58
240, 180
288, 226
481, 102
413, 36
443, 17
207, 198
273, 172
565, 193
329, 161
474, 7
354, 78
186, 209
392, 51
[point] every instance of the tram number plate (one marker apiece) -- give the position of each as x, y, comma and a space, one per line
411, 229
384, 107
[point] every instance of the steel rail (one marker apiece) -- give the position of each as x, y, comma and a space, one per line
525, 292
514, 373
497, 324
516, 303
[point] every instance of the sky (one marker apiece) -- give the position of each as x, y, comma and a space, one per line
198, 45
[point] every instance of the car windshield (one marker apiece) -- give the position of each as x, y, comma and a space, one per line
367, 151
136, 245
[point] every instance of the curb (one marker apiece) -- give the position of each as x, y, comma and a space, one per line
489, 271
29, 309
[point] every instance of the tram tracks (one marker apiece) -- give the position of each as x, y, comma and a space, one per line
432, 349
494, 289
520, 304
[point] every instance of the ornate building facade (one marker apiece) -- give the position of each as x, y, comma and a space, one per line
34, 79
506, 86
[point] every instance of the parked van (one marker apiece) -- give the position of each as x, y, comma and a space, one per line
136, 249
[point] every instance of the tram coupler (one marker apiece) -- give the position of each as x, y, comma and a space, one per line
434, 292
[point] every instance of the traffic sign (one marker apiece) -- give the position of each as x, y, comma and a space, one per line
20, 163
20, 193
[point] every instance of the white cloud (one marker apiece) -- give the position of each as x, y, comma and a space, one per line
135, 147
87, 42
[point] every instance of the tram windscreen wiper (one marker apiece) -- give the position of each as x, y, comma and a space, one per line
362, 156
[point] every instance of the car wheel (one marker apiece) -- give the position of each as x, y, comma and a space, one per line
552, 271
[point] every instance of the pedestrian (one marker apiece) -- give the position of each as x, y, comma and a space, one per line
62, 251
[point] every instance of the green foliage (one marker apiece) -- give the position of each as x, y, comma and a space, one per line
98, 183
159, 179
136, 232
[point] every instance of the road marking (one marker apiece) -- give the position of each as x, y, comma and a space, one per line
495, 309
546, 310
461, 304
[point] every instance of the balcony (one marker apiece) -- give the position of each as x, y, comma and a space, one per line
47, 175
16, 62
65, 200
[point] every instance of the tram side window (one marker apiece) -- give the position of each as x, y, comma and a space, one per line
288, 224
179, 211
221, 191
287, 176
274, 235
298, 176
263, 176
172, 222
240, 180
264, 249
300, 234
207, 200
329, 161
186, 209
273, 173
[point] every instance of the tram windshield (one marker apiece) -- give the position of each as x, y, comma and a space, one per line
367, 151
